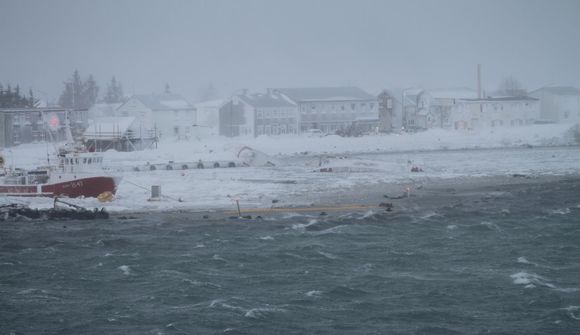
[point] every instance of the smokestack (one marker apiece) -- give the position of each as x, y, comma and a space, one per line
479, 81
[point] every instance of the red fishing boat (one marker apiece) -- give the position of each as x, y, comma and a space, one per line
78, 174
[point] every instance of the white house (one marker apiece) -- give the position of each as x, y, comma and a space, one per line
434, 106
207, 118
168, 115
333, 108
559, 104
103, 110
490, 112
258, 114
411, 119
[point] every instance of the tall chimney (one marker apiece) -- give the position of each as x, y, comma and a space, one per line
479, 81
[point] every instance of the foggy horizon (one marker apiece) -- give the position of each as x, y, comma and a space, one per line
259, 44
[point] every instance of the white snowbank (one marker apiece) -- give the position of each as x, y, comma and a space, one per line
294, 182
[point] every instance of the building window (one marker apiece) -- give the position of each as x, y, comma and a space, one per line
372, 105
352, 106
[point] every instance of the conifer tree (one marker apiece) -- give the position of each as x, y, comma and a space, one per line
114, 92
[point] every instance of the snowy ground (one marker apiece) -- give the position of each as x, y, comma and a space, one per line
357, 163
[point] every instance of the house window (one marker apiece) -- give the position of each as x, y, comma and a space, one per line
342, 108
313, 106
352, 106
175, 130
372, 105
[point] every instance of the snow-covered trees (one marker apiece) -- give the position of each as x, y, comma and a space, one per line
510, 86
14, 99
78, 93
114, 92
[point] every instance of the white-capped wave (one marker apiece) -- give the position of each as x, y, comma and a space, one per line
452, 227
267, 238
561, 211
571, 311
367, 215
530, 280
221, 303
332, 230
523, 260
258, 313
327, 255
301, 227
490, 225
217, 257
313, 293
125, 269
429, 215
199, 283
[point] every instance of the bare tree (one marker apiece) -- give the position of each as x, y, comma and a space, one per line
510, 86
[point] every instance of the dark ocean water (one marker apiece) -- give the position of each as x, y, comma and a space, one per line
504, 263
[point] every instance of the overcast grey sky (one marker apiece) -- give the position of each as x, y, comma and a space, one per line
267, 43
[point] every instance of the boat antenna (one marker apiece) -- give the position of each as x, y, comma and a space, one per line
47, 155
51, 139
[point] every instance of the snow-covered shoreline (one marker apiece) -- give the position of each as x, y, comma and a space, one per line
357, 164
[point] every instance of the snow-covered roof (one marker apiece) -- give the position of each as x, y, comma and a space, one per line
456, 93
266, 100
210, 104
559, 90
104, 107
108, 127
164, 101
500, 99
325, 94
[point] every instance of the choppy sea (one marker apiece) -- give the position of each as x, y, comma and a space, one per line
506, 264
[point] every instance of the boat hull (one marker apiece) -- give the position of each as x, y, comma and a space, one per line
89, 187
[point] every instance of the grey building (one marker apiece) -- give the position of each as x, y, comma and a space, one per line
390, 111
333, 108
258, 114
27, 125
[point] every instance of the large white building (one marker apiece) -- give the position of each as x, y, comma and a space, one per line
333, 108
168, 115
559, 104
493, 112
207, 118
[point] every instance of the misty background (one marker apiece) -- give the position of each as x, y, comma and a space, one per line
256, 44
